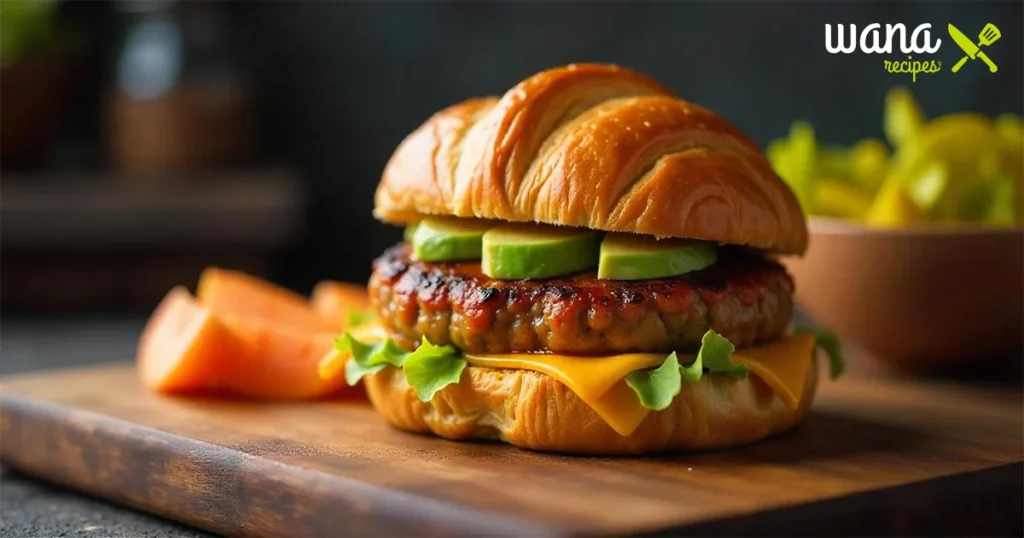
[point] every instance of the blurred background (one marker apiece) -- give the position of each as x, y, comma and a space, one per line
144, 140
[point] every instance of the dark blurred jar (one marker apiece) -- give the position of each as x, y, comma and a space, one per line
178, 101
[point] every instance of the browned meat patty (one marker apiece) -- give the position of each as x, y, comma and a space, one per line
743, 297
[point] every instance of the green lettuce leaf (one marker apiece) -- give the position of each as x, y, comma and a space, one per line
431, 368
658, 387
394, 355
428, 369
715, 353
409, 232
829, 343
692, 373
367, 359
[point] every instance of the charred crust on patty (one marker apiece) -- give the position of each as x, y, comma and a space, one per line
394, 266
744, 297
629, 296
486, 295
560, 292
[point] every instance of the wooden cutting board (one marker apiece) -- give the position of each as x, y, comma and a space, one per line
875, 457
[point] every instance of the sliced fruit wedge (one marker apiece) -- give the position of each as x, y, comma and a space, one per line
277, 362
184, 347
233, 292
340, 302
252, 339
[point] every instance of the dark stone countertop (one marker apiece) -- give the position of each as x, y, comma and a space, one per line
30, 508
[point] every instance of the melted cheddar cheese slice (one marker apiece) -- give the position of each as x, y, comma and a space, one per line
599, 381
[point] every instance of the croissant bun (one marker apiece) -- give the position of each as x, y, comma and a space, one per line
594, 146
534, 411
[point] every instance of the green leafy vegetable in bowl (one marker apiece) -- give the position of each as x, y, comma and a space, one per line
961, 168
25, 24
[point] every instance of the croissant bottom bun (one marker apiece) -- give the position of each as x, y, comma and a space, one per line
593, 146
532, 410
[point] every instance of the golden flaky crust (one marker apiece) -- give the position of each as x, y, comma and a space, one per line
534, 411
594, 146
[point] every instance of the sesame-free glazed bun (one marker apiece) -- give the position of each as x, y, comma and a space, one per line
593, 146
535, 411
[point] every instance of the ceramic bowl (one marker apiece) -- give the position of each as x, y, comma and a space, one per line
916, 297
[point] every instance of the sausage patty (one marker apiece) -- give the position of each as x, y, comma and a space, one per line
743, 297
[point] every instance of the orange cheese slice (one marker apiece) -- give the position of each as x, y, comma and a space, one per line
782, 365
588, 377
599, 381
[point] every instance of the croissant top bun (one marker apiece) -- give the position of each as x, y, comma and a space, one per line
594, 146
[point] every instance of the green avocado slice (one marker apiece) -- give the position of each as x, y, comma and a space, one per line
642, 257
518, 251
409, 232
439, 239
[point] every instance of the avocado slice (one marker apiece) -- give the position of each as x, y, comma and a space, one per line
641, 257
439, 239
409, 232
518, 251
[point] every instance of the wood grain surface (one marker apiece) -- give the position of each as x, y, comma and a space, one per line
876, 456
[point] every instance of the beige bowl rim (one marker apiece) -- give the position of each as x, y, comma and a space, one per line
835, 226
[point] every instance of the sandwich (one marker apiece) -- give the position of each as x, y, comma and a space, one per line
589, 268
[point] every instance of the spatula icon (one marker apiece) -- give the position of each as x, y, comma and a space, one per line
989, 34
